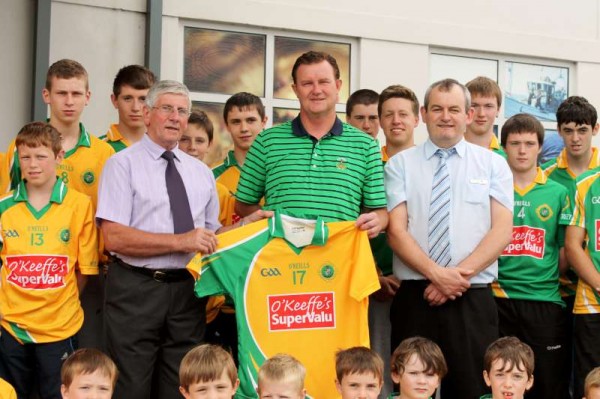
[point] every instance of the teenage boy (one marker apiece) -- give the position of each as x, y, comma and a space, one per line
398, 111
49, 246
576, 121
198, 136
527, 288
361, 111
130, 88
486, 99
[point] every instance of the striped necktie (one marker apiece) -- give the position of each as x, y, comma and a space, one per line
439, 211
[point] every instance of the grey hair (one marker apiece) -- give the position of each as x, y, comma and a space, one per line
446, 85
167, 87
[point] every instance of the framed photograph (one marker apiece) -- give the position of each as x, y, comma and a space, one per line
462, 69
223, 62
534, 89
287, 49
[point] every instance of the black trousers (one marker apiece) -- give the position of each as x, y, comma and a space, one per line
463, 329
587, 348
543, 326
150, 326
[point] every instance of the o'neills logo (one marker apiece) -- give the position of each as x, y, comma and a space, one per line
37, 272
301, 311
526, 241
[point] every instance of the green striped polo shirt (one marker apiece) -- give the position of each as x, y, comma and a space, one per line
334, 177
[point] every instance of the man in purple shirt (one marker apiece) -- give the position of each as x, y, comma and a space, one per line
152, 317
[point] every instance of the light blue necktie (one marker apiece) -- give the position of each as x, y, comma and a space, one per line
439, 211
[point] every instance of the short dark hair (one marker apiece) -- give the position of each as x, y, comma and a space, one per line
576, 109
66, 69
483, 86
445, 85
136, 76
398, 91
200, 119
362, 96
522, 123
512, 352
243, 100
315, 57
427, 351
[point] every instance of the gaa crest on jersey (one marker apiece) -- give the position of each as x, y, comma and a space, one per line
64, 235
526, 241
301, 311
327, 272
544, 212
341, 163
88, 177
37, 272
10, 233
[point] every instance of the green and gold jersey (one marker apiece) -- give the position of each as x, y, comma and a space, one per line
300, 287
41, 249
528, 266
587, 215
80, 168
115, 139
558, 170
227, 174
495, 147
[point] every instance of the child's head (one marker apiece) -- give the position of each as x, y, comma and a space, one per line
281, 376
198, 136
592, 384
208, 371
508, 367
418, 366
39, 149
88, 370
359, 371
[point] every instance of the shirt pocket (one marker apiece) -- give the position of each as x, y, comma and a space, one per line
477, 190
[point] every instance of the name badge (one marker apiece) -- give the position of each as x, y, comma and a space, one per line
479, 181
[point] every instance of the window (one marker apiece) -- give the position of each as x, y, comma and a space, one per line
219, 61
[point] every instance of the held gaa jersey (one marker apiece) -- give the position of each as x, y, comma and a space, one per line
528, 266
587, 216
300, 287
41, 249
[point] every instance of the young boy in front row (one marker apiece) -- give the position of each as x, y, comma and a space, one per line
592, 384
208, 372
281, 376
49, 246
359, 373
88, 373
508, 368
418, 366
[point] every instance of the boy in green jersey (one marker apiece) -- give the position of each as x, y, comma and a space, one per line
508, 368
527, 289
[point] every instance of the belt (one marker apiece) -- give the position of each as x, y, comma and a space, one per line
160, 275
425, 283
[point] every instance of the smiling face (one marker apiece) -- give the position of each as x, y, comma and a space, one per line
89, 386
244, 124
398, 122
485, 112
38, 165
507, 383
67, 98
446, 117
165, 128
317, 89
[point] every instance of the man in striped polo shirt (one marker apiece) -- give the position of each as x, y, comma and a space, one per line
316, 165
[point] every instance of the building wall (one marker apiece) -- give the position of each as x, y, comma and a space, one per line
394, 39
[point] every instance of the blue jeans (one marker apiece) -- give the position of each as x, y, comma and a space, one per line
26, 363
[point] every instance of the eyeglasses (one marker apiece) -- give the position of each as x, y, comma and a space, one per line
168, 110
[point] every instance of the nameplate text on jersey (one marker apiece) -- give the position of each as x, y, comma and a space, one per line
37, 272
301, 311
